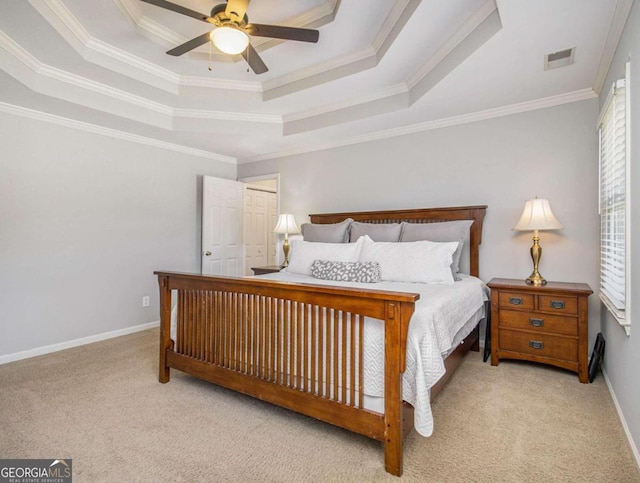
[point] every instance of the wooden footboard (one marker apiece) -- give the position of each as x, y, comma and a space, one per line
297, 346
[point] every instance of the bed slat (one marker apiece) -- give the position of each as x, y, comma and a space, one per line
309, 348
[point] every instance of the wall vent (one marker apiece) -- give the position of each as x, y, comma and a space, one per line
561, 58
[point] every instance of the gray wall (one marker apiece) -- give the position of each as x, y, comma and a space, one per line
622, 354
85, 219
551, 153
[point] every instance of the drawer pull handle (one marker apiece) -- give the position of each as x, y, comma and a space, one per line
536, 322
515, 300
557, 304
536, 344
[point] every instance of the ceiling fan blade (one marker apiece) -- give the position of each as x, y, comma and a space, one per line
179, 9
236, 9
254, 60
282, 32
190, 45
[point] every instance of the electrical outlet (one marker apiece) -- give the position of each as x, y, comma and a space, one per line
145, 301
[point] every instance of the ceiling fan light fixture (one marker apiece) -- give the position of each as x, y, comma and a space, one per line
229, 40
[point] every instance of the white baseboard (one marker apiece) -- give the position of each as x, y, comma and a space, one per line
39, 351
632, 444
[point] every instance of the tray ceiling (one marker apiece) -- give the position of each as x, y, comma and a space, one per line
381, 68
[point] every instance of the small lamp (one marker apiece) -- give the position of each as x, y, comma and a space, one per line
537, 216
286, 225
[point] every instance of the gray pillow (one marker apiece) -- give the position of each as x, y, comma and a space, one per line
387, 232
327, 233
365, 272
445, 231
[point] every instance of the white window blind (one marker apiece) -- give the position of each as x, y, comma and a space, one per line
613, 202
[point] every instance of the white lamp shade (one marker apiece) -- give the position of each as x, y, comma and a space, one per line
537, 215
229, 40
286, 224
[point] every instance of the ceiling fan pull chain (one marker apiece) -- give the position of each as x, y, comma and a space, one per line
248, 53
210, 55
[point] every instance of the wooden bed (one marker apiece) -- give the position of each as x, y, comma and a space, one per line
298, 345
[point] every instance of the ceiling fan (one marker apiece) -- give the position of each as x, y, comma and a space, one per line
233, 29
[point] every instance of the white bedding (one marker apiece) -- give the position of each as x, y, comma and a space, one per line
442, 311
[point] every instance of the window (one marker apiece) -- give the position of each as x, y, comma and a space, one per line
614, 207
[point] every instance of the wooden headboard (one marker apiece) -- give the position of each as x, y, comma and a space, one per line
421, 215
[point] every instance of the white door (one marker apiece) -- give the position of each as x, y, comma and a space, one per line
222, 237
272, 210
256, 228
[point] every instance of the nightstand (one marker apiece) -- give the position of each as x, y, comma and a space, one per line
265, 270
546, 324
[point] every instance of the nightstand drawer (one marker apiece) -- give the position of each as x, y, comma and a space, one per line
516, 300
558, 304
543, 345
555, 324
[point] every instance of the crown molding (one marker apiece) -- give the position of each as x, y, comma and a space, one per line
118, 60
114, 133
209, 83
157, 32
168, 114
227, 116
455, 55
472, 34
382, 101
466, 29
70, 79
346, 64
106, 55
101, 53
386, 92
487, 114
320, 73
392, 25
17, 52
68, 20
616, 28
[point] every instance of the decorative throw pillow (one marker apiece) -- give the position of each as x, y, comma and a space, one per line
327, 233
381, 232
365, 272
304, 253
420, 261
444, 231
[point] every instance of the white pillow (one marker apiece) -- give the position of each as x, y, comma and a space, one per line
419, 261
304, 253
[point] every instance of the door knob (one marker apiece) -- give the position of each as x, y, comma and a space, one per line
207, 254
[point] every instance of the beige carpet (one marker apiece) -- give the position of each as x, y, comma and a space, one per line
102, 406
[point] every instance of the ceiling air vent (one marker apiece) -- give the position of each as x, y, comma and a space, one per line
560, 58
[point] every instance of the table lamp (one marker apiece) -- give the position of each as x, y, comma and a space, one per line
286, 225
537, 215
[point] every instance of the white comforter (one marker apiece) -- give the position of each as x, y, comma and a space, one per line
440, 313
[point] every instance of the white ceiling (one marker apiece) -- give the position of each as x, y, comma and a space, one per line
381, 68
